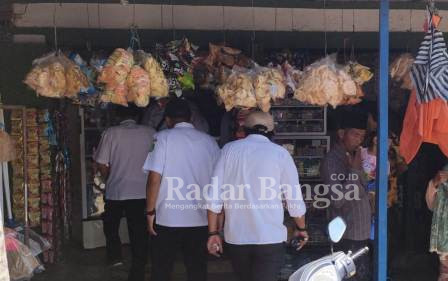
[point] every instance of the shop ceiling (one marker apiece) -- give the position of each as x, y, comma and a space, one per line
273, 23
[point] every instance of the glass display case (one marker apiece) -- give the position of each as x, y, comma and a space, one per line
299, 119
307, 152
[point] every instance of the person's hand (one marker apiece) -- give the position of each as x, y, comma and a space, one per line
214, 245
355, 161
441, 177
151, 219
302, 237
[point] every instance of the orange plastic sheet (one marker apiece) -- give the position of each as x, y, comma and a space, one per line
426, 122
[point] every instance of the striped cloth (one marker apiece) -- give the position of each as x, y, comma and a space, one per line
430, 70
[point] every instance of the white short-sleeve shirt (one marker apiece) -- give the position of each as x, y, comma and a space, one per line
185, 158
124, 148
260, 173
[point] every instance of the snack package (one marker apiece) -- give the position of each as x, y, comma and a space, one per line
33, 162
269, 84
33, 147
114, 75
324, 82
360, 73
139, 86
292, 76
31, 117
76, 81
33, 176
56, 76
158, 81
16, 114
237, 91
46, 186
32, 134
400, 70
21, 263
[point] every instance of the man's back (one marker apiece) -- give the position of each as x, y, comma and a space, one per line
124, 149
183, 156
261, 167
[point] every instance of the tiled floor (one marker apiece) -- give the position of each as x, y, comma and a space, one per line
88, 265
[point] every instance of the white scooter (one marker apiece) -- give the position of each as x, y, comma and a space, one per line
335, 267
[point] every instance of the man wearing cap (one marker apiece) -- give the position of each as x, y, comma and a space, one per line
180, 166
250, 179
342, 171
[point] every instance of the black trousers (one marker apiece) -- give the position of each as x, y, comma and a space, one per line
134, 210
364, 266
256, 262
192, 241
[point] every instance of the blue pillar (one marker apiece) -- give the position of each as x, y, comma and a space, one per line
380, 261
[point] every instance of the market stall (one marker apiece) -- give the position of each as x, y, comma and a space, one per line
304, 90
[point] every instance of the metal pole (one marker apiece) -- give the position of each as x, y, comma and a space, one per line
25, 175
380, 261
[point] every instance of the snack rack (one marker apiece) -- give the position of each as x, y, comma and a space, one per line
25, 167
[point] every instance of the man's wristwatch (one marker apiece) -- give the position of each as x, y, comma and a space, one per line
213, 233
151, 213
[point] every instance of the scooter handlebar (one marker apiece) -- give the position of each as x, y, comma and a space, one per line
360, 252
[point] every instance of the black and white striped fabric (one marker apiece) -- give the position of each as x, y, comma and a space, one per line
430, 70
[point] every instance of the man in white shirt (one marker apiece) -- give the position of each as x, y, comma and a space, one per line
179, 167
120, 156
250, 180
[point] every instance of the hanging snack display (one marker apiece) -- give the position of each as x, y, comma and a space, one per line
139, 86
158, 81
18, 195
269, 84
32, 127
227, 56
324, 82
238, 91
47, 198
89, 95
217, 66
176, 59
48, 176
360, 73
114, 75
55, 76
33, 165
292, 76
400, 70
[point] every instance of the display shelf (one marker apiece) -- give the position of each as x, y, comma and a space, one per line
307, 152
299, 120
301, 130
